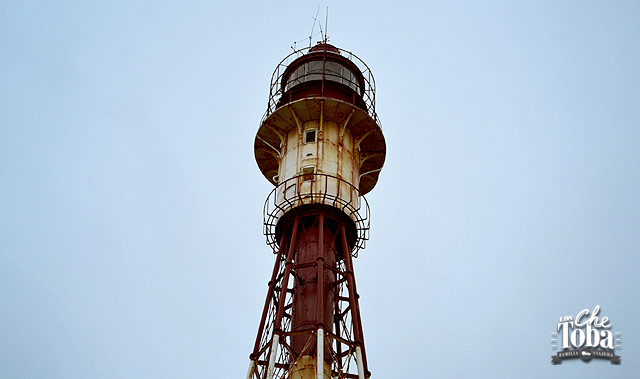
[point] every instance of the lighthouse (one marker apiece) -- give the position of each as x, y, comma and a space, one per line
321, 145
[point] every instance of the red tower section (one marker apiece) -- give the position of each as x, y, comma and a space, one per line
321, 145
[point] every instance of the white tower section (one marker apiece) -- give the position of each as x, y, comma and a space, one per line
320, 141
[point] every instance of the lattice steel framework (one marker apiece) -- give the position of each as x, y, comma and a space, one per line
280, 342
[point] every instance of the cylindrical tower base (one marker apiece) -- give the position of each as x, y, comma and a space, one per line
306, 367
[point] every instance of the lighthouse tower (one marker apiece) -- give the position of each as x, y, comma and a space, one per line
321, 145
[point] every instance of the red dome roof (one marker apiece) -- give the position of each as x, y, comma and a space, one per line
324, 47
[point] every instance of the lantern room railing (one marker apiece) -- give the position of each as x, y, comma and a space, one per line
276, 89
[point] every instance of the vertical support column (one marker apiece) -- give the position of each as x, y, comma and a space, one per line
283, 296
359, 362
285, 280
272, 285
320, 348
272, 356
320, 303
351, 282
355, 307
336, 323
252, 368
320, 264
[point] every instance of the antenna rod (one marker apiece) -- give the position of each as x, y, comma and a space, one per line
326, 26
315, 19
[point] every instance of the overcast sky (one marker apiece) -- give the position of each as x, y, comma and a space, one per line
131, 238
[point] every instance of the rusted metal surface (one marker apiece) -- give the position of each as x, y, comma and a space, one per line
317, 285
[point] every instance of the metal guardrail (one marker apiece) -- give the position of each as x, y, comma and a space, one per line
317, 189
276, 90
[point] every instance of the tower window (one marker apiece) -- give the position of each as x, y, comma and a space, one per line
308, 173
310, 136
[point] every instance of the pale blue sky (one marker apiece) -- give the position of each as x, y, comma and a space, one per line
131, 204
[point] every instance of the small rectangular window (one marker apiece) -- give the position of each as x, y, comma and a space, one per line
310, 136
308, 173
